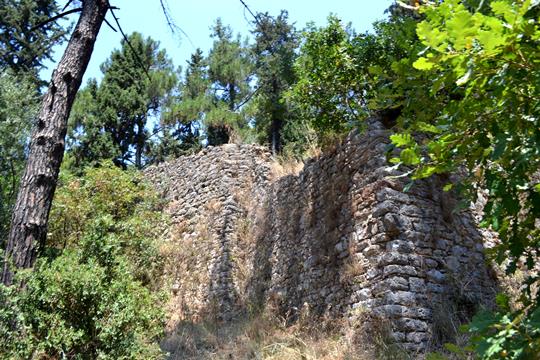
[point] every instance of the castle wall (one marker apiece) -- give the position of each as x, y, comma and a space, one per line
338, 239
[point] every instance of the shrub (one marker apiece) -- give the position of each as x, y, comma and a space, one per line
91, 293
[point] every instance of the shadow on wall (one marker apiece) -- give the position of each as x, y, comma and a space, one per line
302, 241
308, 251
342, 237
339, 238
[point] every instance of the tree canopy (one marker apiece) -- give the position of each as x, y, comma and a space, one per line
274, 52
26, 38
109, 120
461, 81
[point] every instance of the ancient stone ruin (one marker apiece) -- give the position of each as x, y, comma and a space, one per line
339, 238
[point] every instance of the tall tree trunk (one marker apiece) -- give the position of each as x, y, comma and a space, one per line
275, 134
37, 186
139, 143
232, 97
276, 122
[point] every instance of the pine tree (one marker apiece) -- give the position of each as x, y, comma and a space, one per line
87, 140
110, 120
274, 52
184, 114
18, 106
24, 45
31, 211
229, 71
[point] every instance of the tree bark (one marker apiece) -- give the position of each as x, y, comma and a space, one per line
232, 97
276, 122
275, 131
139, 143
31, 212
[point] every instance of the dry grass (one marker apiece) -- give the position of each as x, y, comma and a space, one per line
241, 255
352, 268
244, 238
214, 207
285, 165
453, 310
187, 254
512, 285
267, 337
313, 152
447, 320
288, 164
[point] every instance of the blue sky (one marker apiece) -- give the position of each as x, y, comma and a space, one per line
196, 17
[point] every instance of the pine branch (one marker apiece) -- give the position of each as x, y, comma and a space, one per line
251, 12
109, 24
54, 18
247, 99
67, 4
137, 58
170, 22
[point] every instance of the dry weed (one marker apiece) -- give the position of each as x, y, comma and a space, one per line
266, 336
284, 166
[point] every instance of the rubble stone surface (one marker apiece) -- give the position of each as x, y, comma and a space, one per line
339, 238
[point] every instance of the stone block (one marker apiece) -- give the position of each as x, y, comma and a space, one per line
411, 325
417, 284
341, 246
405, 298
394, 258
371, 251
399, 270
384, 207
435, 288
391, 223
422, 313
392, 283
435, 276
380, 238
402, 246
418, 337
364, 294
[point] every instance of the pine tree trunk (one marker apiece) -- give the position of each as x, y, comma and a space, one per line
37, 186
276, 121
139, 143
232, 97
275, 131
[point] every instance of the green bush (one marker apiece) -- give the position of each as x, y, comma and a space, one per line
481, 73
91, 294
459, 83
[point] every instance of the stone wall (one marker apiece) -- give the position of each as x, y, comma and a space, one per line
338, 239
206, 195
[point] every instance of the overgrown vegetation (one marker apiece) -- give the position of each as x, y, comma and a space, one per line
460, 80
457, 81
266, 336
93, 293
481, 69
18, 104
